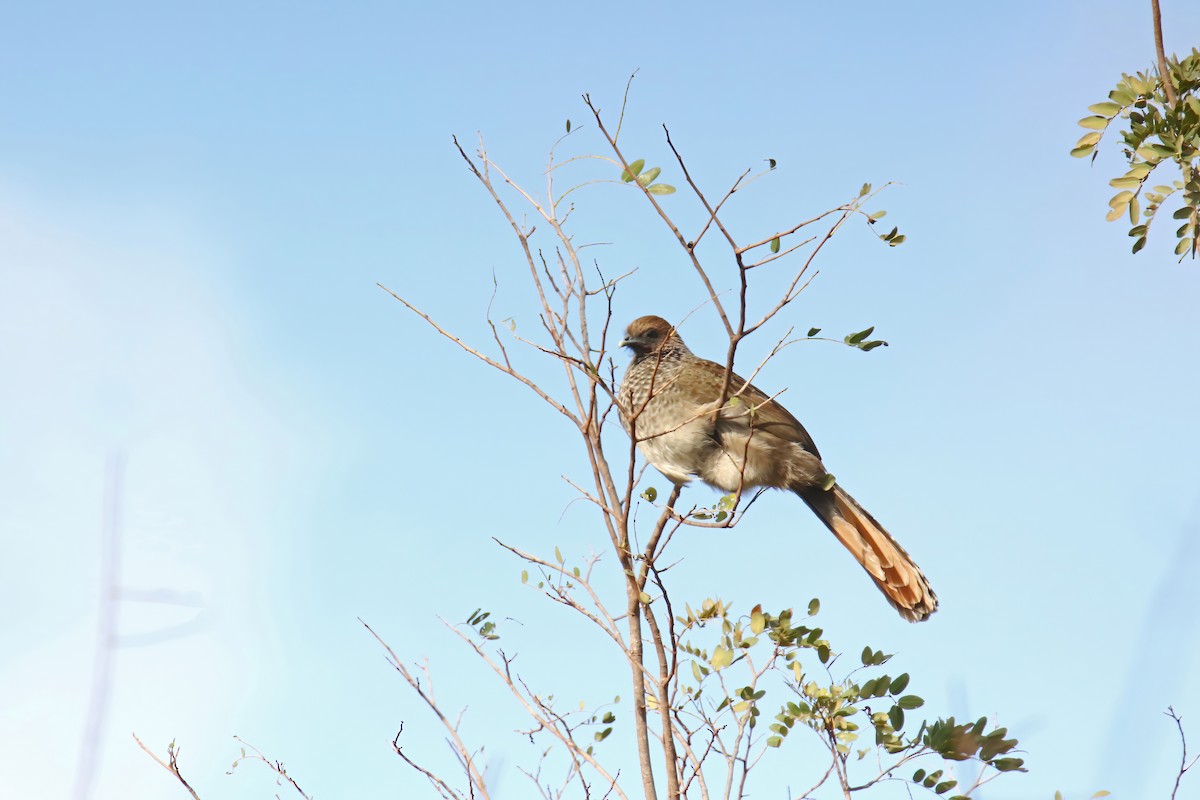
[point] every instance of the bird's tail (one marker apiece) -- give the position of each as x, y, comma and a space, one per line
888, 564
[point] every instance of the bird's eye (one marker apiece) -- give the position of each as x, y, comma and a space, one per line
651, 334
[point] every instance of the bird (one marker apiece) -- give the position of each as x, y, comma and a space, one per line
667, 402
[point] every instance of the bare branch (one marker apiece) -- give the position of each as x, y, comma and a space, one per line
474, 776
275, 766
171, 764
505, 368
443, 788
1184, 766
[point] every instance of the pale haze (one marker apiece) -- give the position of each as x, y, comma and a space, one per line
196, 204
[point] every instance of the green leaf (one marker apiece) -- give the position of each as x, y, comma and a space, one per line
899, 684
1183, 246
568, 126
1105, 109
918, 776
1139, 170
1124, 183
602, 735
774, 741
1008, 764
648, 176
1123, 94
814, 606
634, 170
1135, 211
856, 338
1094, 123
910, 701
558, 555
823, 653
896, 717
758, 622
867, 656
944, 787
1120, 199
524, 576
878, 215
866, 188
1082, 151
721, 657
1101, 793
645, 598
696, 673
775, 245
1182, 213
660, 188
771, 163
813, 331
1139, 244
828, 482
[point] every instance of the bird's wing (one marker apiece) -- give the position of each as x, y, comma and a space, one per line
769, 416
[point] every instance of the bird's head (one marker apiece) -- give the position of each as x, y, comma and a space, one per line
648, 335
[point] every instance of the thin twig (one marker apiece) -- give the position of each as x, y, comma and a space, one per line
272, 764
171, 765
1184, 766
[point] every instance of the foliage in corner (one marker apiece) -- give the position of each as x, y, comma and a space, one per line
1154, 131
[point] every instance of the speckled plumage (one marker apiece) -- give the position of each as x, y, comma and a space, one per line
667, 400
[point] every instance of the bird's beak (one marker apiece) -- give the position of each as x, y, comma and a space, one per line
630, 342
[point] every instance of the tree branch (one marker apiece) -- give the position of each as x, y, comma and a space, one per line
1164, 74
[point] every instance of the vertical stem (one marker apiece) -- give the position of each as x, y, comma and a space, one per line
670, 756
636, 666
1163, 73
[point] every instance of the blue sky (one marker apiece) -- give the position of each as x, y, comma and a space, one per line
196, 204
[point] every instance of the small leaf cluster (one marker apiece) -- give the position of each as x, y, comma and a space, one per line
724, 506
576, 721
961, 741
1157, 133
893, 237
598, 719
485, 629
861, 341
833, 707
646, 179
562, 582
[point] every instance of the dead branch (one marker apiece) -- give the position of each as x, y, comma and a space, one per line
171, 764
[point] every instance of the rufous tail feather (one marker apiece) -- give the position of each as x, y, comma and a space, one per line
888, 564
